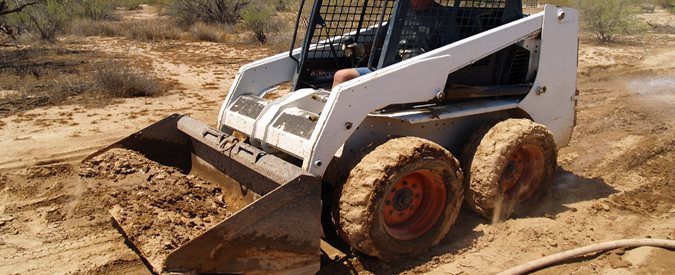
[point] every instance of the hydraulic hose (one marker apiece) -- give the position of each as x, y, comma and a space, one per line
573, 253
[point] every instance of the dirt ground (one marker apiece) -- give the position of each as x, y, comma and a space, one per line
615, 179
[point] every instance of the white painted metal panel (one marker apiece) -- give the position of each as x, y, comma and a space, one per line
557, 73
414, 80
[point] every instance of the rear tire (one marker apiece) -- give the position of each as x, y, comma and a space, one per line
508, 168
400, 200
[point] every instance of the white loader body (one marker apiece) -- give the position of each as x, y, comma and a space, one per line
315, 126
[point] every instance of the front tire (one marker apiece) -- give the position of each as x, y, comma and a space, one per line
508, 168
400, 199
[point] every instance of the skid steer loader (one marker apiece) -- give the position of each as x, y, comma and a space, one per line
465, 104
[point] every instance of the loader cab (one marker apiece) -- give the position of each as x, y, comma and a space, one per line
378, 33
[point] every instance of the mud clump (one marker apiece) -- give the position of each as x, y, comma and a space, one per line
158, 207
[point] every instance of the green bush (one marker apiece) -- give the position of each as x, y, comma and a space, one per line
49, 17
609, 18
256, 18
94, 9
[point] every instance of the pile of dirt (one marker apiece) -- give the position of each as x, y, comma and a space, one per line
46, 171
159, 208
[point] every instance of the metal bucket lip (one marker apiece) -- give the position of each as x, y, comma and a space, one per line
280, 231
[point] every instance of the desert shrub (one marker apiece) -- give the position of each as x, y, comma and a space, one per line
210, 32
609, 18
283, 5
117, 80
88, 27
256, 18
188, 12
151, 30
131, 4
48, 17
145, 30
94, 9
280, 41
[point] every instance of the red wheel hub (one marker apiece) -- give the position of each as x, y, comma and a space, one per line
414, 204
523, 173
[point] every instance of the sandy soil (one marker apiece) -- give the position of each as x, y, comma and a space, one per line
159, 208
615, 179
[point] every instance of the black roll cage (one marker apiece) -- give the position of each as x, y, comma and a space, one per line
465, 17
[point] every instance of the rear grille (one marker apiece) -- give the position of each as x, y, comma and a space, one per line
519, 67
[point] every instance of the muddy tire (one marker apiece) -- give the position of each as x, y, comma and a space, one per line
508, 167
400, 199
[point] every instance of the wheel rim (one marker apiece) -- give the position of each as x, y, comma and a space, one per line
523, 173
414, 204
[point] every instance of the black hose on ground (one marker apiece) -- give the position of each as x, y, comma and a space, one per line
570, 254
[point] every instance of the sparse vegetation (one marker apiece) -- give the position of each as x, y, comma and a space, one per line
149, 30
88, 27
47, 18
257, 18
42, 76
94, 9
610, 18
189, 12
231, 21
210, 32
117, 80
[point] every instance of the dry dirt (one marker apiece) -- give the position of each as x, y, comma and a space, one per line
159, 208
614, 180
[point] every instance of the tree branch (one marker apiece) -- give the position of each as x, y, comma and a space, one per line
16, 9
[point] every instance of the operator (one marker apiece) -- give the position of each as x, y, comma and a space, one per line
426, 17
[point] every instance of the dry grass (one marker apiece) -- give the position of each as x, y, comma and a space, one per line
87, 27
152, 30
43, 75
49, 75
143, 30
210, 32
281, 41
118, 81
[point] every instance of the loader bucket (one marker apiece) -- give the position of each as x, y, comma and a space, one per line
276, 222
